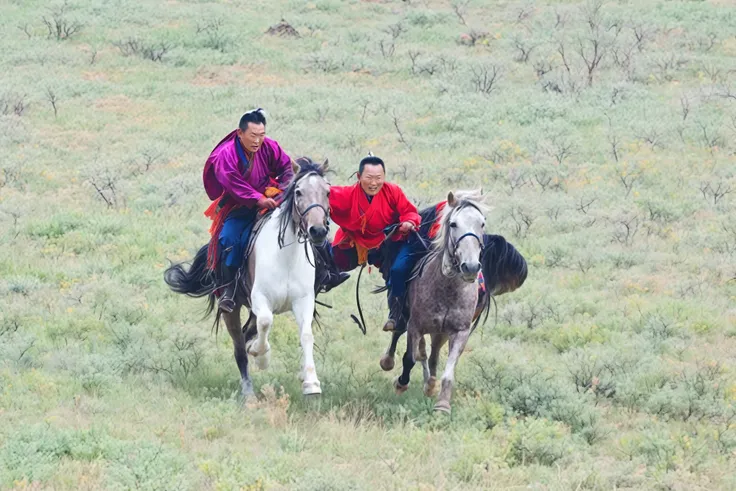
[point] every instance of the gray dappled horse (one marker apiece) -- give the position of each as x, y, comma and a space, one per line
443, 298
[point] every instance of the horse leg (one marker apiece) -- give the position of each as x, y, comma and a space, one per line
303, 309
430, 374
458, 340
387, 360
422, 358
422, 349
232, 321
259, 348
402, 382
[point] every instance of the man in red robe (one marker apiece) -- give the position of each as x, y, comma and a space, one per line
363, 211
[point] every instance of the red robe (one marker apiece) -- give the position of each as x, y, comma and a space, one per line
362, 222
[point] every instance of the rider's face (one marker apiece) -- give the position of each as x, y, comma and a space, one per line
371, 179
252, 137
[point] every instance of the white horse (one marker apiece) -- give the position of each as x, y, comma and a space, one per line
280, 275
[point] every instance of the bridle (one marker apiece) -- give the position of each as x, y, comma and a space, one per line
302, 232
452, 251
301, 229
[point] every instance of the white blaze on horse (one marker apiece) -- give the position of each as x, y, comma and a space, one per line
278, 278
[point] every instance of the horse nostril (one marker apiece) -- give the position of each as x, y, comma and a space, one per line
318, 232
469, 269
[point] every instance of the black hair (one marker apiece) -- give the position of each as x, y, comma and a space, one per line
256, 116
370, 160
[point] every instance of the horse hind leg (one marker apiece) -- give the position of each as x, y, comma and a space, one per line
458, 341
430, 366
422, 349
232, 321
387, 360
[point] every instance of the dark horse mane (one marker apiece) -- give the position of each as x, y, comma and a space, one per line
306, 167
197, 281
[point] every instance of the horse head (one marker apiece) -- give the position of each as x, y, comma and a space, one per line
461, 235
308, 197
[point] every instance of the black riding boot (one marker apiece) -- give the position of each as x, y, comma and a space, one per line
327, 275
228, 285
396, 306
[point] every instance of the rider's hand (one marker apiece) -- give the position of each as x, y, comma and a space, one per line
406, 227
267, 203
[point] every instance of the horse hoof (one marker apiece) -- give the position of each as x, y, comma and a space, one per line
246, 389
430, 387
400, 389
311, 388
387, 363
442, 407
248, 399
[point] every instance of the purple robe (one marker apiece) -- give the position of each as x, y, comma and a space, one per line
225, 173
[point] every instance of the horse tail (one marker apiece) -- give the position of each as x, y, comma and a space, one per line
195, 281
504, 270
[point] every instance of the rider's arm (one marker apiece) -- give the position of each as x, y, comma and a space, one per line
230, 178
280, 164
405, 208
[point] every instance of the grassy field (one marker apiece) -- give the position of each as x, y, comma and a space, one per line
603, 134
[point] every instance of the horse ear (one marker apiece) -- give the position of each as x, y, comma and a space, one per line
451, 199
295, 167
326, 165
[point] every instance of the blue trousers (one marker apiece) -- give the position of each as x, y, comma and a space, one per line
409, 253
235, 234
406, 254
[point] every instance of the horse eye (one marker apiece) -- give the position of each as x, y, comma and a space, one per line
453, 224
328, 194
298, 193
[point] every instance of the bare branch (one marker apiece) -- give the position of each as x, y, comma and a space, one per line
628, 180
53, 99
485, 78
59, 26
27, 30
398, 130
460, 9
524, 50
685, 106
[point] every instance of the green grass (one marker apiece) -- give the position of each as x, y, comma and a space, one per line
611, 368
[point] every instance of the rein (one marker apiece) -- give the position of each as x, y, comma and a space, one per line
389, 232
456, 244
301, 232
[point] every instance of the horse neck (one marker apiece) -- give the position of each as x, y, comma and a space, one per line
293, 248
433, 275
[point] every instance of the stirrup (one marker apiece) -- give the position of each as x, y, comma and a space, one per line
226, 304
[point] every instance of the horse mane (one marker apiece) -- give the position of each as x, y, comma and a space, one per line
504, 270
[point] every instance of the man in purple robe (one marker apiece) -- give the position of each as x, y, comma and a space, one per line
242, 175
